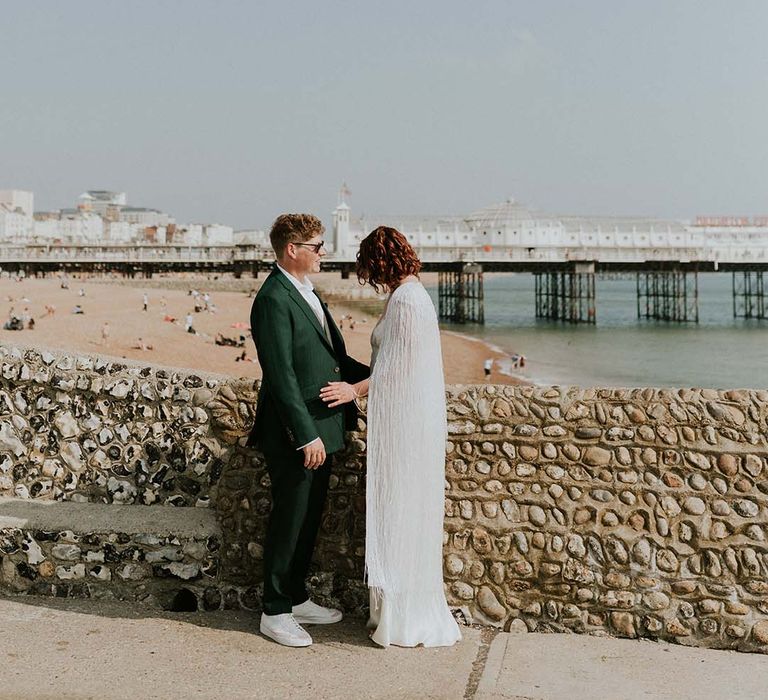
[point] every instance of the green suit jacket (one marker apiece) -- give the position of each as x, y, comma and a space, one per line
297, 360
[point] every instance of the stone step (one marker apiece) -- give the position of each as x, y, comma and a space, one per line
139, 553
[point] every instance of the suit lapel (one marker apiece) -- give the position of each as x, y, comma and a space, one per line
301, 302
333, 330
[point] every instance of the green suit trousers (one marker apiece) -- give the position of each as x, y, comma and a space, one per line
298, 498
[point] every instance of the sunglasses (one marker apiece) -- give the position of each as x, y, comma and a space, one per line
314, 246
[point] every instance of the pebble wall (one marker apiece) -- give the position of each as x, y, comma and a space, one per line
638, 512
633, 512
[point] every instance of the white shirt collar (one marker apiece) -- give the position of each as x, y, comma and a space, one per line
306, 286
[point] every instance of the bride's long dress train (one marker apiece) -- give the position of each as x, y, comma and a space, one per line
406, 476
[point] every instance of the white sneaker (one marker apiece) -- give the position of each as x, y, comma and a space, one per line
309, 613
285, 630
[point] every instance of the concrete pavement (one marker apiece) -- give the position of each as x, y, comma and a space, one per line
68, 649
571, 666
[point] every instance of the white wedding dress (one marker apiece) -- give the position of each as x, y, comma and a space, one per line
406, 476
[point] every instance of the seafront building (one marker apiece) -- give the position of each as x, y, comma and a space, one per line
18, 201
102, 202
68, 226
99, 217
16, 210
252, 237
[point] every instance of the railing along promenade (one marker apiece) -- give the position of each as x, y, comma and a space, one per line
705, 257
10, 254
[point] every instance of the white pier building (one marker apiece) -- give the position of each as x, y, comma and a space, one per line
511, 232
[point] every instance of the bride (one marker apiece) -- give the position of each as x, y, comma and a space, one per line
406, 452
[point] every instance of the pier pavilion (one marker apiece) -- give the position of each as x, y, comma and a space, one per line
564, 253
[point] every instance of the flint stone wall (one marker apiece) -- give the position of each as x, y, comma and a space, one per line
634, 512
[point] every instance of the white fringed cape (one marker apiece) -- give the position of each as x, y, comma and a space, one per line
406, 476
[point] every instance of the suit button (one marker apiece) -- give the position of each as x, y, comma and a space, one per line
336, 370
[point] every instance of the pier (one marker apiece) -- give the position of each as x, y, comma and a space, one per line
566, 295
749, 295
460, 294
565, 292
668, 295
667, 280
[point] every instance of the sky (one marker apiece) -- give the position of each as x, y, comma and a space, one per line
234, 111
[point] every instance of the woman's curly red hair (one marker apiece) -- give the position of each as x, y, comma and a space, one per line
385, 257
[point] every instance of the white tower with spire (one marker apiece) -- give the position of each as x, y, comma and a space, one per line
341, 237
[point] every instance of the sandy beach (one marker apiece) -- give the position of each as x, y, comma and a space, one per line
120, 304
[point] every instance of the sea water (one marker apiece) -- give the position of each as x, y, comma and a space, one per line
719, 351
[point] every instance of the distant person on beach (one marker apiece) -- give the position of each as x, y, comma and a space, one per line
222, 339
31, 324
105, 333
81, 292
78, 309
518, 361
188, 324
299, 347
145, 301
405, 455
487, 367
141, 345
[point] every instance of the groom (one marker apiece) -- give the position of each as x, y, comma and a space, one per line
300, 351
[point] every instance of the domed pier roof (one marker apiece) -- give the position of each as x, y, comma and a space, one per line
509, 212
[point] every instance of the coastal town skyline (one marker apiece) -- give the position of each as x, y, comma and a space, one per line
501, 230
112, 206
236, 112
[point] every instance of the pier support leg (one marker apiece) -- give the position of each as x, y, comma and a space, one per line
460, 294
668, 295
749, 295
567, 295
